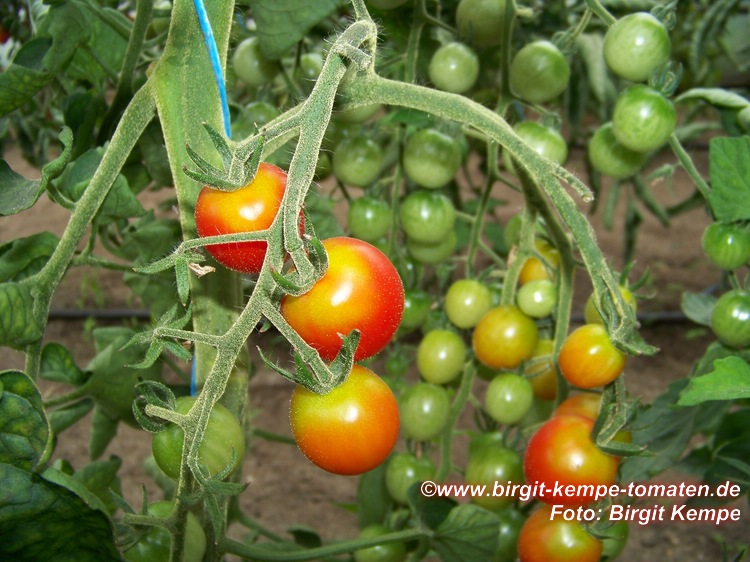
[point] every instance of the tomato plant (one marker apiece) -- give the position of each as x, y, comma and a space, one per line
357, 161
222, 446
361, 290
248, 209
416, 308
540, 370
537, 298
480, 21
612, 158
636, 45
539, 72
251, 65
562, 451
592, 316
431, 158
369, 219
490, 463
542, 267
548, 538
546, 141
387, 552
350, 430
504, 337
432, 253
511, 521
588, 358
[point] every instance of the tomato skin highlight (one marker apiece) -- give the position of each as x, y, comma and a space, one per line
562, 451
547, 539
588, 358
351, 429
360, 290
248, 209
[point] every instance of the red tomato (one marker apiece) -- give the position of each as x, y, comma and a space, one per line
360, 290
588, 359
545, 538
248, 209
350, 430
562, 452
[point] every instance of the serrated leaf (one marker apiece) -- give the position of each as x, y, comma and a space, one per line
718, 97
468, 534
730, 380
58, 365
698, 307
25, 76
729, 169
25, 438
18, 325
24, 257
282, 23
41, 520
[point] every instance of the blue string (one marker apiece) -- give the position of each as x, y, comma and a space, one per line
213, 54
193, 377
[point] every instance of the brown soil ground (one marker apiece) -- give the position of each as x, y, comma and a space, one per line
284, 489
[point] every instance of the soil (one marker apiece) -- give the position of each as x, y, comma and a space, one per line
284, 489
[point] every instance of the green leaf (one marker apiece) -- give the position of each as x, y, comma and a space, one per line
103, 430
305, 536
282, 23
25, 439
729, 169
698, 307
25, 76
100, 478
730, 380
18, 326
58, 365
63, 418
41, 520
715, 96
469, 533
23, 257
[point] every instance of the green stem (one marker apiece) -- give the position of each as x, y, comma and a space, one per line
257, 552
457, 407
689, 166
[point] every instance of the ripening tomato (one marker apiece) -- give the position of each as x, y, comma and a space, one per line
360, 290
592, 316
542, 267
351, 429
545, 538
249, 209
562, 451
588, 358
504, 337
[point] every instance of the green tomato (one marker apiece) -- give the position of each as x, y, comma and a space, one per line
424, 410
403, 471
610, 157
466, 301
508, 398
223, 441
427, 217
155, 545
251, 65
643, 118
441, 356
727, 245
489, 464
416, 308
480, 22
730, 319
431, 158
537, 298
357, 161
539, 72
636, 45
615, 539
369, 219
545, 141
432, 254
386, 552
454, 67
511, 521
251, 117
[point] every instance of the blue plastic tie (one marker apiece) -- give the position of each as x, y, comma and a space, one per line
213, 54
